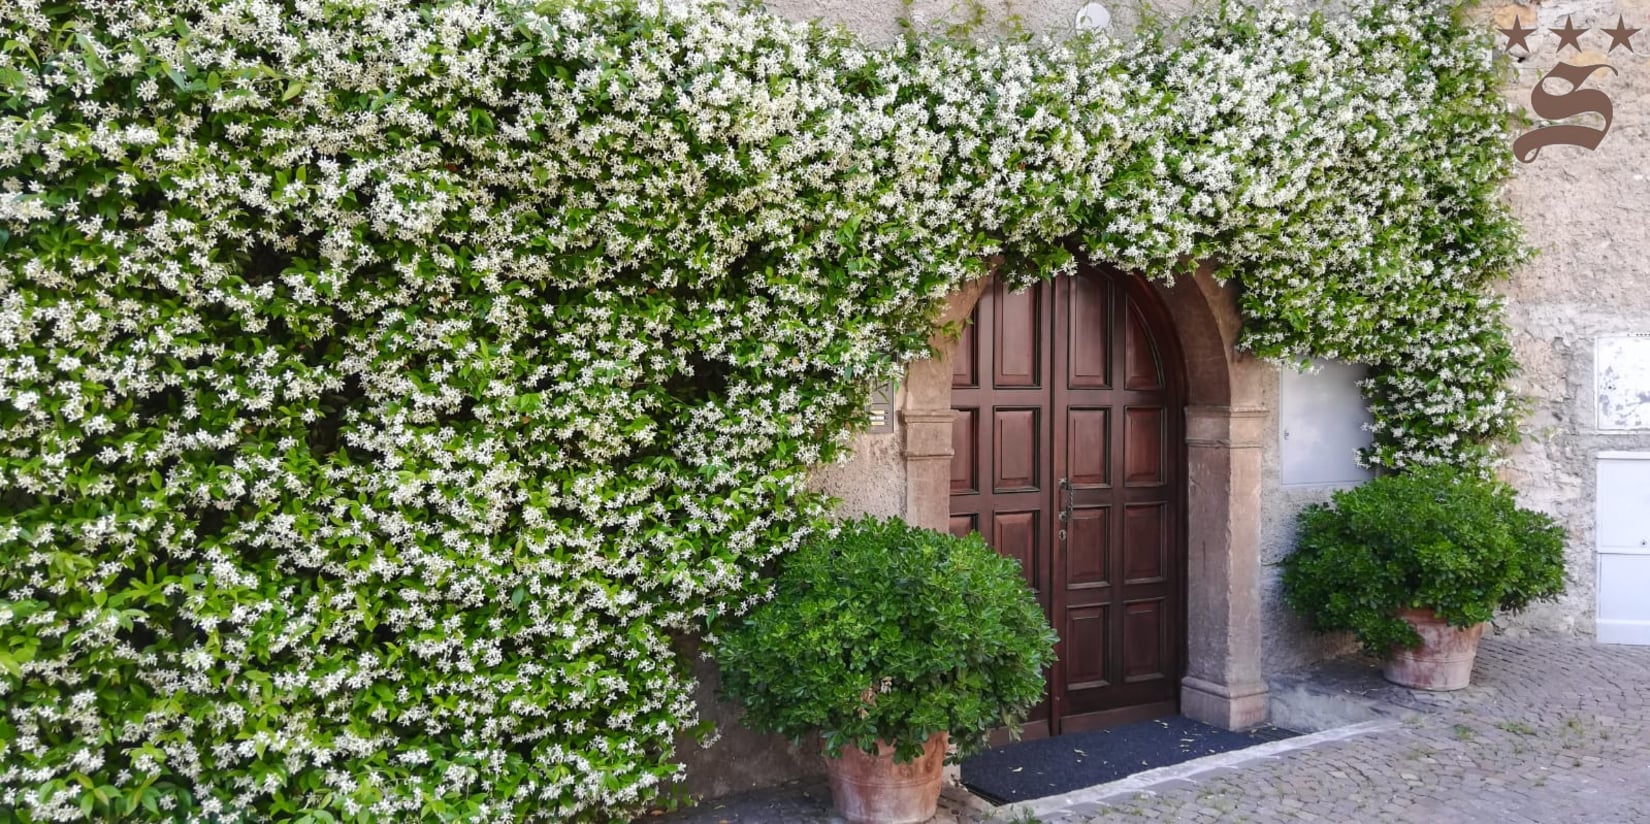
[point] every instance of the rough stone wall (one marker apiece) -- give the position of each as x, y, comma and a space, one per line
872, 482
1587, 212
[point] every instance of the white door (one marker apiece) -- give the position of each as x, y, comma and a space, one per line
1624, 547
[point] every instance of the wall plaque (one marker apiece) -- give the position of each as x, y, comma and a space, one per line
882, 407
1322, 421
1621, 371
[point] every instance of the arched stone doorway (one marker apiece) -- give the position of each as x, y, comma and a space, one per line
1222, 433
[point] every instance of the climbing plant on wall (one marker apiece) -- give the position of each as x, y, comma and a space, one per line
384, 383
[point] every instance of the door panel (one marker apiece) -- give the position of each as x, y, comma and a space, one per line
965, 362
1088, 446
1018, 332
1086, 629
1145, 543
965, 468
1082, 483
1144, 633
1145, 368
1088, 556
1143, 446
1001, 443
1016, 534
1016, 450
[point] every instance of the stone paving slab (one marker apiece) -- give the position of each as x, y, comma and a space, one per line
1553, 731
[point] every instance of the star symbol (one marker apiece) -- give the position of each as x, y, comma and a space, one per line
1569, 35
1516, 34
1621, 35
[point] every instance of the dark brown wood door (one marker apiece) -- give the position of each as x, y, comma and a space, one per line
1068, 459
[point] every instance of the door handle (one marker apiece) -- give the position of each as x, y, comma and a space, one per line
1065, 507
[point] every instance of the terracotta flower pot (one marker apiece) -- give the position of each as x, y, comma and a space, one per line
874, 790
1444, 659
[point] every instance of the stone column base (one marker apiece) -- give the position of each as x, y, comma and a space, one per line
1238, 707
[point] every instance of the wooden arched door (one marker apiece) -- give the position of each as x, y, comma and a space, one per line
1068, 457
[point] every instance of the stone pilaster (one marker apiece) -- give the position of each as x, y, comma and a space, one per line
928, 467
1223, 684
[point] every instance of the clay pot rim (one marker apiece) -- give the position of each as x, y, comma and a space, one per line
883, 747
1431, 616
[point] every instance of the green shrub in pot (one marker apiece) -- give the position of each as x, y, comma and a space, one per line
887, 631
1434, 538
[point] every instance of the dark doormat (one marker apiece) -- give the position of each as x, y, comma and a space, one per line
1048, 766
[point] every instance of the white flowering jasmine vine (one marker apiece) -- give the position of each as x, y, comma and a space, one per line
385, 384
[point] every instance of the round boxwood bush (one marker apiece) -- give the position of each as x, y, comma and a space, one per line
889, 631
1436, 538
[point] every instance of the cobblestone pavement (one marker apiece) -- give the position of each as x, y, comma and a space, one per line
1551, 732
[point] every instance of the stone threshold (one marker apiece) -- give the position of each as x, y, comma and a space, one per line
1330, 701
1089, 799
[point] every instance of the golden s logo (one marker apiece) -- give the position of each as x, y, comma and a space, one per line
1576, 101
